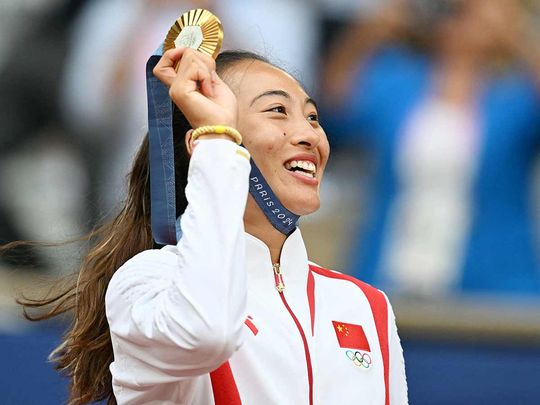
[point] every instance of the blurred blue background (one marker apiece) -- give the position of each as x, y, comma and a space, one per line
432, 193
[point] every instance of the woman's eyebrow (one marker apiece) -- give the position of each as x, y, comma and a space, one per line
281, 93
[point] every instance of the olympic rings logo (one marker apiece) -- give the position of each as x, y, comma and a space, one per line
359, 359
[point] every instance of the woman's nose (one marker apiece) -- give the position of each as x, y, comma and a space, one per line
304, 134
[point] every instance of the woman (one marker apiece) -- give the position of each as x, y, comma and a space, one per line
235, 312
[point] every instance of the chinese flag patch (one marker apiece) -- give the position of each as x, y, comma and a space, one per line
351, 336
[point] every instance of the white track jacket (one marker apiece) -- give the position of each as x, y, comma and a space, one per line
203, 322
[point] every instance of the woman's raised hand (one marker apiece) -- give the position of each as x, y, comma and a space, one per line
196, 88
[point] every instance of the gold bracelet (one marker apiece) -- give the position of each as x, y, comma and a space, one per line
217, 129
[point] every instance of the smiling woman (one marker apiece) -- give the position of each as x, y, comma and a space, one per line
234, 312
281, 130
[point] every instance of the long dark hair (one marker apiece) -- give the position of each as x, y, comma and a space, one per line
85, 352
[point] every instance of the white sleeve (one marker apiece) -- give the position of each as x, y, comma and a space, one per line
398, 378
178, 312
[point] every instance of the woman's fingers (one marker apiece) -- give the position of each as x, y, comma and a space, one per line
205, 79
164, 70
219, 87
193, 76
195, 87
181, 58
205, 63
202, 57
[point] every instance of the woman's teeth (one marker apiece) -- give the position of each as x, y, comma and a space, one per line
303, 167
306, 174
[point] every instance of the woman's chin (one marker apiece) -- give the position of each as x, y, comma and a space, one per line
304, 206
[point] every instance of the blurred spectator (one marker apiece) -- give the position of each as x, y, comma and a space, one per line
444, 97
104, 87
36, 156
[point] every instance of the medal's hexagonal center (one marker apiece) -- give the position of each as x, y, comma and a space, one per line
190, 37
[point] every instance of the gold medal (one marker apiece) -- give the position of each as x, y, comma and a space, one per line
197, 29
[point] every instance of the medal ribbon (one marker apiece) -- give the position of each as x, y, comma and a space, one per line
280, 217
162, 181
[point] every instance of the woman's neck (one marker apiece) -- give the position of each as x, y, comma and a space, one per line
256, 224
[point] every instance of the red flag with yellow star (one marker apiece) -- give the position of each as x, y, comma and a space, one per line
351, 336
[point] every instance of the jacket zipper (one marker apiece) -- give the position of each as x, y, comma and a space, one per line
278, 277
280, 286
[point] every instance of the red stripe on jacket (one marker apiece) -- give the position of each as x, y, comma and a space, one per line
224, 387
311, 300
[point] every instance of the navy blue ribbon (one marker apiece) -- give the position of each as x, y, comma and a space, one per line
280, 217
162, 181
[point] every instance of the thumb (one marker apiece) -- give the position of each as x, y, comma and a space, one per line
219, 86
216, 80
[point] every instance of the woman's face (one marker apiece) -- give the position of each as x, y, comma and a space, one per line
280, 128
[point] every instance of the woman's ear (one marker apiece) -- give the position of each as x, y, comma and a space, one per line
187, 140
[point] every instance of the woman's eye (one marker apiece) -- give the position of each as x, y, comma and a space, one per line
278, 109
313, 117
